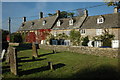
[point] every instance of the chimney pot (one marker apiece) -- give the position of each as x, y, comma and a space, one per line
24, 19
58, 13
86, 12
116, 10
40, 15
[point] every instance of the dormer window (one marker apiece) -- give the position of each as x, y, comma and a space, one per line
23, 24
44, 22
32, 23
71, 22
58, 23
100, 20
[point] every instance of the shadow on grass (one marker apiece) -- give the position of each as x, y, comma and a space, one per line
23, 46
30, 60
46, 54
19, 58
59, 65
106, 72
6, 69
44, 68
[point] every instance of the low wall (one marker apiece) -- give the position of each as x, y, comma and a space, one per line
108, 52
14, 44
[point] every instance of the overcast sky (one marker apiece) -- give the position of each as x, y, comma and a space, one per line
20, 9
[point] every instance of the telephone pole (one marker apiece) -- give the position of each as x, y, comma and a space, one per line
9, 27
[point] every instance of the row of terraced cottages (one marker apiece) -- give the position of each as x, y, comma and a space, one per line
90, 26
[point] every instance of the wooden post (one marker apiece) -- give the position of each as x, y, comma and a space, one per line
54, 51
13, 60
50, 65
34, 49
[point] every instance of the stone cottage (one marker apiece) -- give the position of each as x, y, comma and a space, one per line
95, 26
35, 30
90, 26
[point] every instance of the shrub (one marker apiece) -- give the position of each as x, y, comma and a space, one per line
16, 37
75, 37
85, 41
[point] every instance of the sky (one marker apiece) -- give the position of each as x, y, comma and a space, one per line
17, 10
54, 0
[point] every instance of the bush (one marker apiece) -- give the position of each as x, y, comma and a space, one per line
85, 41
75, 37
16, 38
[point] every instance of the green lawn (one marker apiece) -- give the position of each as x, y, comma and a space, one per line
66, 65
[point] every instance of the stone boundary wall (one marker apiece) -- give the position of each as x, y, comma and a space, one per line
14, 44
108, 52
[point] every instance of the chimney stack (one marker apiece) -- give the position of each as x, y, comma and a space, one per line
86, 12
40, 15
116, 10
58, 13
24, 19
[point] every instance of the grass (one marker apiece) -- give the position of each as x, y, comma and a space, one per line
66, 65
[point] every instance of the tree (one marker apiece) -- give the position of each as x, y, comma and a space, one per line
4, 43
4, 35
75, 37
61, 36
115, 3
49, 38
16, 37
50, 14
85, 41
63, 14
70, 14
106, 38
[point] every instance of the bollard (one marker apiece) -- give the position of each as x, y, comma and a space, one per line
33, 58
54, 51
50, 65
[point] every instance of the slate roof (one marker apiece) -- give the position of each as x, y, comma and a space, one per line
65, 23
89, 22
110, 21
38, 24
77, 21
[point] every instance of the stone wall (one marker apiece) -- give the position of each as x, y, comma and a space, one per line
108, 52
14, 44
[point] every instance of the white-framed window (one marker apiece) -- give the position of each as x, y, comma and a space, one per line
44, 22
32, 23
115, 43
55, 33
100, 20
83, 31
58, 23
71, 22
99, 31
97, 43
